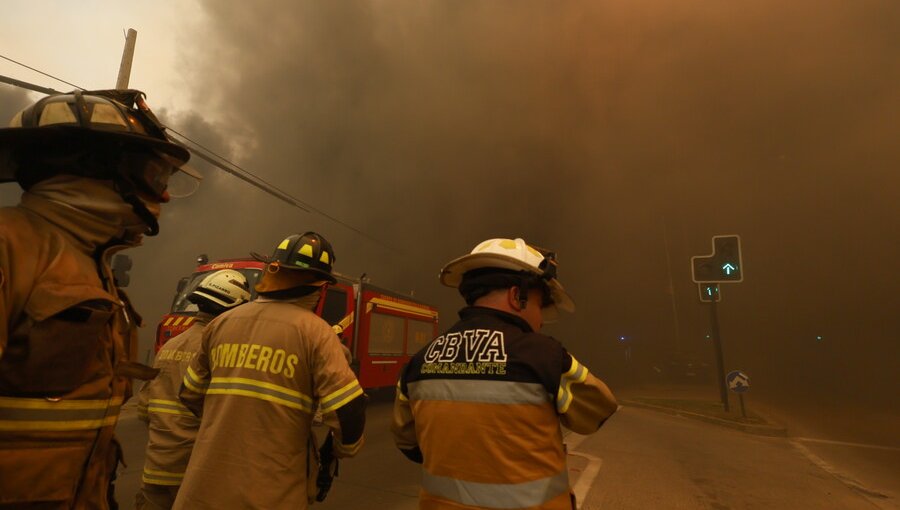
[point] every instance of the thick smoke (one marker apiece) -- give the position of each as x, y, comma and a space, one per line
623, 135
611, 132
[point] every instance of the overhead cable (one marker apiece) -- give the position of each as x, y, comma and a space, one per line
213, 158
39, 71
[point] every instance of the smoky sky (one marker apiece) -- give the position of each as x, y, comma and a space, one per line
621, 134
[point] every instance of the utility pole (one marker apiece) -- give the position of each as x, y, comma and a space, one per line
127, 58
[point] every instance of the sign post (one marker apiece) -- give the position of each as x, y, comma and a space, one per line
724, 265
739, 383
720, 362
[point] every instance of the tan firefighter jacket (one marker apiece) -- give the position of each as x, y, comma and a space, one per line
262, 370
65, 336
481, 406
172, 427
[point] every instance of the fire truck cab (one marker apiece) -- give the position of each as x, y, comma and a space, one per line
381, 328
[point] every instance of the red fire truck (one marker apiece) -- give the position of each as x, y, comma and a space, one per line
381, 328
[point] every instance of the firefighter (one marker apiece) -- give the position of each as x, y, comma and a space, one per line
262, 371
94, 167
480, 407
172, 426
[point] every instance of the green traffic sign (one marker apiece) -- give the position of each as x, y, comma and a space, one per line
723, 265
708, 291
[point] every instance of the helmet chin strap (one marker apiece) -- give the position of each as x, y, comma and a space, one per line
128, 192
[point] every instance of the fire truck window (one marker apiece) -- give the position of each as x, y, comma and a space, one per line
252, 276
335, 307
418, 334
181, 304
386, 334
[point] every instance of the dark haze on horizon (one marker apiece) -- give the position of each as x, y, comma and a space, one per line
622, 135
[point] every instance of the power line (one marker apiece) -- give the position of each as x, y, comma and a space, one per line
236, 169
264, 185
213, 158
39, 71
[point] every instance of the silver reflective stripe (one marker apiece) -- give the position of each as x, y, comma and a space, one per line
260, 390
340, 397
497, 495
17, 414
56, 414
496, 392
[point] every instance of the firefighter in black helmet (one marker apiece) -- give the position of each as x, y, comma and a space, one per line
94, 167
267, 366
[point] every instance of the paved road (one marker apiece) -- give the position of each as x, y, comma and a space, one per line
653, 460
640, 459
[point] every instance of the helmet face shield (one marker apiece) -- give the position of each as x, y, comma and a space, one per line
182, 185
149, 170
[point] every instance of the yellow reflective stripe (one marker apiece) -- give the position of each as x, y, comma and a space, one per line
161, 477
12, 425
195, 382
262, 390
339, 404
400, 395
160, 481
168, 402
340, 397
577, 373
191, 387
261, 396
178, 321
163, 410
262, 384
188, 321
168, 321
42, 403
168, 407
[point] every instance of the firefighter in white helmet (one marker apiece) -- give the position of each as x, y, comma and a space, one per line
481, 405
263, 370
95, 168
172, 427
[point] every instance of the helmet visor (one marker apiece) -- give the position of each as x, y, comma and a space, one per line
153, 172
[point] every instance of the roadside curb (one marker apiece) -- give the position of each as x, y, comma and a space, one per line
760, 430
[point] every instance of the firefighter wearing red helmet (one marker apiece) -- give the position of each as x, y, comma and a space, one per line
480, 407
263, 370
94, 168
172, 427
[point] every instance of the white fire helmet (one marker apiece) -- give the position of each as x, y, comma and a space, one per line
515, 255
227, 288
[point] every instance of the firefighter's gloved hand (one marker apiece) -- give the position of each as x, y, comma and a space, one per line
328, 468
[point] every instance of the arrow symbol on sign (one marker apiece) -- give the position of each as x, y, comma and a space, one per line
728, 268
739, 382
